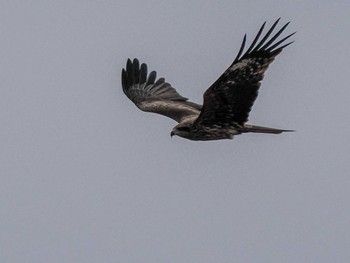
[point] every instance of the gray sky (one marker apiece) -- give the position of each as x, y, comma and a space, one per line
87, 177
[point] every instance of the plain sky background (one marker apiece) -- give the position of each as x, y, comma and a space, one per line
87, 177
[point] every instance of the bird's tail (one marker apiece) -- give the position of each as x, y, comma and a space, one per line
259, 129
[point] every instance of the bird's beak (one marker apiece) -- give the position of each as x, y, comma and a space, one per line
172, 134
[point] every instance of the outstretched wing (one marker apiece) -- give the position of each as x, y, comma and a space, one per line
229, 100
155, 96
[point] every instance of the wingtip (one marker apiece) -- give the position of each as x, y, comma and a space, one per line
132, 61
241, 49
286, 45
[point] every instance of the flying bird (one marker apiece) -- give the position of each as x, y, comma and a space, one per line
227, 102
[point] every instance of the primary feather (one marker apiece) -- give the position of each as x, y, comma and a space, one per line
227, 103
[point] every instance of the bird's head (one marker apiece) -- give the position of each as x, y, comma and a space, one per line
183, 130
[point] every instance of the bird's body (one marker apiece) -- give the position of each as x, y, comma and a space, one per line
227, 102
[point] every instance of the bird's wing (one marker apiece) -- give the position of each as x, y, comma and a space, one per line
153, 95
229, 100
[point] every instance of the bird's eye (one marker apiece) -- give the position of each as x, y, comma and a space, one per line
186, 129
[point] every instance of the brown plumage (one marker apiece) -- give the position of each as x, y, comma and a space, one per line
227, 103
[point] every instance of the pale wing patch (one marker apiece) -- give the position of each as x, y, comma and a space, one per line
178, 111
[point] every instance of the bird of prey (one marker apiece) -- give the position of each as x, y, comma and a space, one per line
227, 102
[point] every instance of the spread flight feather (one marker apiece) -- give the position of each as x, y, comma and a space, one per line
227, 102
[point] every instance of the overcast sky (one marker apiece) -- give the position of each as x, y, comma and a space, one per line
87, 177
